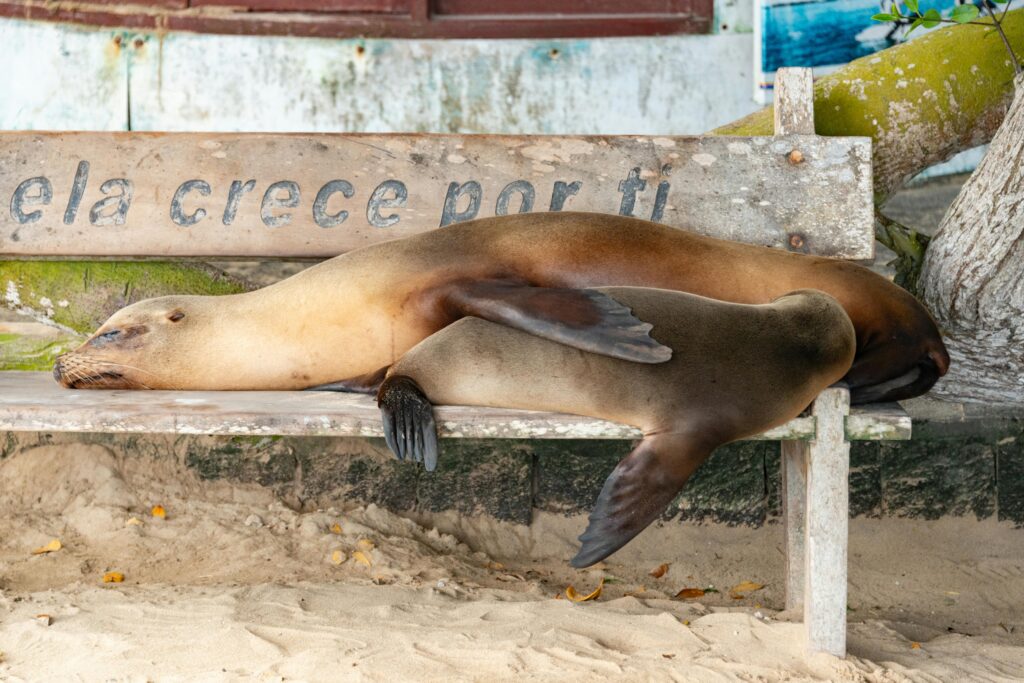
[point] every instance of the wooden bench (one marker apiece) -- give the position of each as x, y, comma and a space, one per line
134, 196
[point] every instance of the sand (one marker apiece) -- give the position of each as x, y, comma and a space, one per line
233, 585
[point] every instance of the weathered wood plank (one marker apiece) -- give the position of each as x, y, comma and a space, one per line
880, 422
827, 526
794, 102
252, 195
32, 401
794, 518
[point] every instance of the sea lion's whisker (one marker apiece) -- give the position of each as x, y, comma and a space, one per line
111, 364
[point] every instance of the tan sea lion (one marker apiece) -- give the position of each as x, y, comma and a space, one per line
737, 370
352, 316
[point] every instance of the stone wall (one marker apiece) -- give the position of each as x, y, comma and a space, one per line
963, 461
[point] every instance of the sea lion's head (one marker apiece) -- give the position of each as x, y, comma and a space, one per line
140, 347
900, 355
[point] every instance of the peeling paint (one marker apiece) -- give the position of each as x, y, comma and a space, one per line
593, 86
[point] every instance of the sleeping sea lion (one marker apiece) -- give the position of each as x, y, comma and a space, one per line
342, 322
737, 370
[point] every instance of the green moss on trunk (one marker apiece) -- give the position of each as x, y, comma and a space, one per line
920, 102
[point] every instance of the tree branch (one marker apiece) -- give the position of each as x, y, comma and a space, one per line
920, 102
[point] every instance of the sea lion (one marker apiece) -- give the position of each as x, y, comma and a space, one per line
350, 317
737, 370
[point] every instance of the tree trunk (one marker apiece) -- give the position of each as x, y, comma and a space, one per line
973, 275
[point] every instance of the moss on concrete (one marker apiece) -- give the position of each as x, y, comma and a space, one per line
32, 353
730, 488
477, 476
80, 295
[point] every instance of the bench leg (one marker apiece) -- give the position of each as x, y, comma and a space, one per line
794, 511
827, 525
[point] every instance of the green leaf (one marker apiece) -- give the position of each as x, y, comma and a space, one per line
932, 18
911, 5
1001, 2
964, 13
884, 17
917, 22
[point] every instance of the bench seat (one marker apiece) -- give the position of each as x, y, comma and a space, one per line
32, 401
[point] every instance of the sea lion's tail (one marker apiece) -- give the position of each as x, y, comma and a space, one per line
638, 491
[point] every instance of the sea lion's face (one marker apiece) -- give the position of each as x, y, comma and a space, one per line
139, 347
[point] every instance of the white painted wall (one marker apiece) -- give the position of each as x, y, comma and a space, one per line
76, 78
57, 78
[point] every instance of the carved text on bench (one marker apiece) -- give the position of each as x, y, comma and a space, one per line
187, 207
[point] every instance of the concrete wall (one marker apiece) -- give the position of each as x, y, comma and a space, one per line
964, 461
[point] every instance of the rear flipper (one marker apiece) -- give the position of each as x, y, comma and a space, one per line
408, 417
638, 491
914, 382
582, 318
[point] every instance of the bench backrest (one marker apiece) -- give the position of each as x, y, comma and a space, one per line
318, 195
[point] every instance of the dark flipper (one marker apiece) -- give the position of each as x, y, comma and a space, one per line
408, 417
582, 318
915, 382
637, 492
363, 384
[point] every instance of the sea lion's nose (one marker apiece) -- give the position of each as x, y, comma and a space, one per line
941, 359
58, 368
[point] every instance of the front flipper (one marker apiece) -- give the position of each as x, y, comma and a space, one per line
582, 318
362, 384
408, 417
637, 492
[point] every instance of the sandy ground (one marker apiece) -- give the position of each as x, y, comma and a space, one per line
232, 585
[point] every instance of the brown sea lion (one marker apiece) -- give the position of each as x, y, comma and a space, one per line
737, 370
350, 317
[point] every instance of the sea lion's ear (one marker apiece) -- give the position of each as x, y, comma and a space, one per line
582, 318
637, 492
408, 417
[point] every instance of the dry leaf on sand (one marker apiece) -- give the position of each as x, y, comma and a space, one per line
51, 547
113, 577
571, 593
659, 571
739, 589
362, 558
159, 512
690, 593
